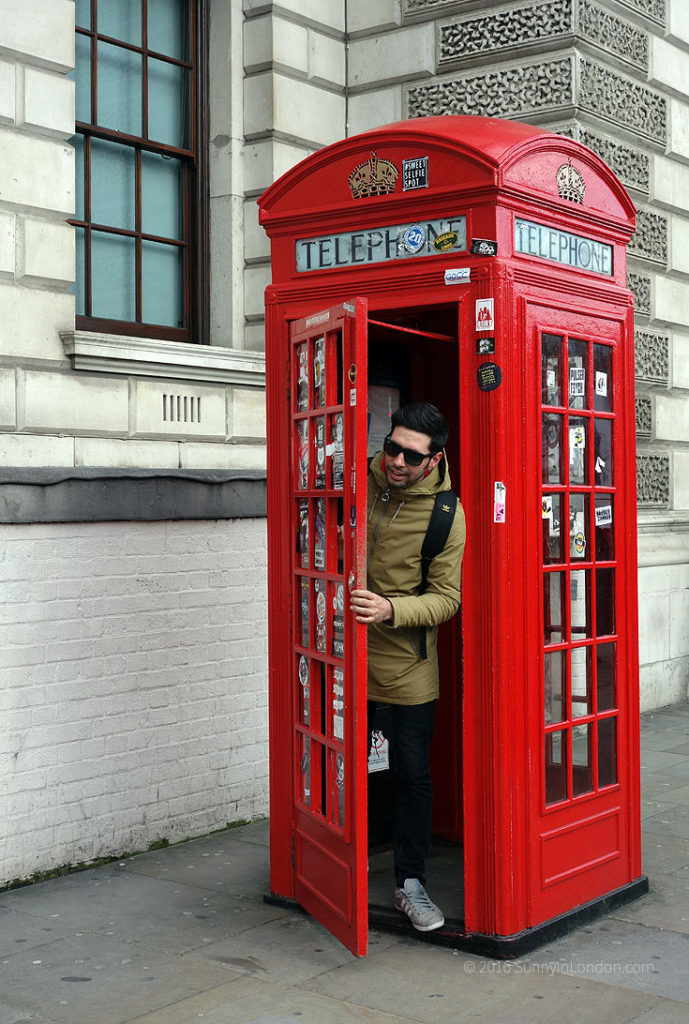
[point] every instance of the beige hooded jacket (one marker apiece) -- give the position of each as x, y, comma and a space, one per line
397, 524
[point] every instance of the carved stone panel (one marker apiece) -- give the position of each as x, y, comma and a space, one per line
631, 165
653, 480
510, 92
626, 103
649, 241
644, 418
652, 9
652, 357
601, 27
641, 286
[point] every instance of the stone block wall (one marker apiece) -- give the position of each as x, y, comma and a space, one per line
133, 700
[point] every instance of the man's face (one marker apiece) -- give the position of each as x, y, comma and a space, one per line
397, 472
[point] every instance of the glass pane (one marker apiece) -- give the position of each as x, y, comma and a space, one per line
303, 535
552, 449
605, 547
605, 602
113, 185
582, 759
120, 19
302, 455
304, 611
320, 604
305, 769
336, 451
551, 369
553, 583
605, 659
79, 144
607, 752
168, 103
578, 463
337, 704
337, 603
337, 798
319, 534
304, 691
581, 682
82, 13
319, 372
168, 28
556, 766
576, 364
603, 452
319, 453
602, 378
578, 525
580, 603
113, 285
302, 388
162, 288
119, 89
161, 196
554, 675
551, 505
81, 76
79, 286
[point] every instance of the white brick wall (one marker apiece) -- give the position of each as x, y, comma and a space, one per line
133, 686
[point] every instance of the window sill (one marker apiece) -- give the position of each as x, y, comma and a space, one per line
111, 353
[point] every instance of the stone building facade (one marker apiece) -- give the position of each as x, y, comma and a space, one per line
132, 499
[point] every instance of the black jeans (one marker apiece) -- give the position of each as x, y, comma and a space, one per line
408, 730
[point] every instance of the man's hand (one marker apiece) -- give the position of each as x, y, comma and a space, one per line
369, 607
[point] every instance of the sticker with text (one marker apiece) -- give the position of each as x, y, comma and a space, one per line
499, 492
485, 315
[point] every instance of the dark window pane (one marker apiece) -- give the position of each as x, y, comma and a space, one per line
607, 752
168, 28
553, 606
578, 448
113, 185
304, 674
605, 657
603, 453
577, 373
82, 13
121, 19
551, 514
113, 276
605, 602
82, 78
551, 369
162, 290
605, 527
552, 449
305, 769
119, 89
161, 197
580, 603
602, 378
554, 677
168, 103
556, 766
79, 176
578, 526
582, 760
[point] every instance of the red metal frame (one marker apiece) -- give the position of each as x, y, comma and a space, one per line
525, 862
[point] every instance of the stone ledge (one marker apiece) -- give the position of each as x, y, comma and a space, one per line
113, 353
663, 542
105, 495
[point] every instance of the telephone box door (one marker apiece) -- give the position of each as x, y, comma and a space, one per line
327, 355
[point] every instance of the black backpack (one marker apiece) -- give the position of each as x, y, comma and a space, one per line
437, 532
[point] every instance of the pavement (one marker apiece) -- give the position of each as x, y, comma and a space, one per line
183, 936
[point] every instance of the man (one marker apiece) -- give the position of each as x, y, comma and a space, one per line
403, 683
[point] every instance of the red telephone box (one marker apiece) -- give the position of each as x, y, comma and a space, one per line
478, 264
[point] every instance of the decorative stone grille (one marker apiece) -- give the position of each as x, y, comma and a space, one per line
505, 29
613, 34
652, 357
629, 164
509, 92
649, 241
641, 286
653, 480
644, 419
622, 101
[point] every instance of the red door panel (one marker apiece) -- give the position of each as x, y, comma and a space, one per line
328, 517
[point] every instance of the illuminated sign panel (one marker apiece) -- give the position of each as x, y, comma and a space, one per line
562, 247
381, 245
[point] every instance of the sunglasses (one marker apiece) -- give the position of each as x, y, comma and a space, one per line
411, 457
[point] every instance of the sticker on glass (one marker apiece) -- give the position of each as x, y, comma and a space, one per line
303, 454
379, 754
499, 493
577, 381
413, 239
304, 534
337, 450
302, 379
305, 689
319, 371
550, 379
577, 438
338, 704
319, 536
547, 507
604, 515
579, 544
320, 615
601, 384
319, 442
484, 315
304, 612
338, 621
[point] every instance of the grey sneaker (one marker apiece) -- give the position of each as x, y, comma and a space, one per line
414, 901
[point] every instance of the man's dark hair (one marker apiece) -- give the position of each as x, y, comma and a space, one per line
425, 419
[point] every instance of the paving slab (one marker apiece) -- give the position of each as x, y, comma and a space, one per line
439, 986
661, 854
666, 906
252, 1001
215, 863
673, 821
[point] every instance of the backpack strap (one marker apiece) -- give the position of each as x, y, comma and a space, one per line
439, 526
